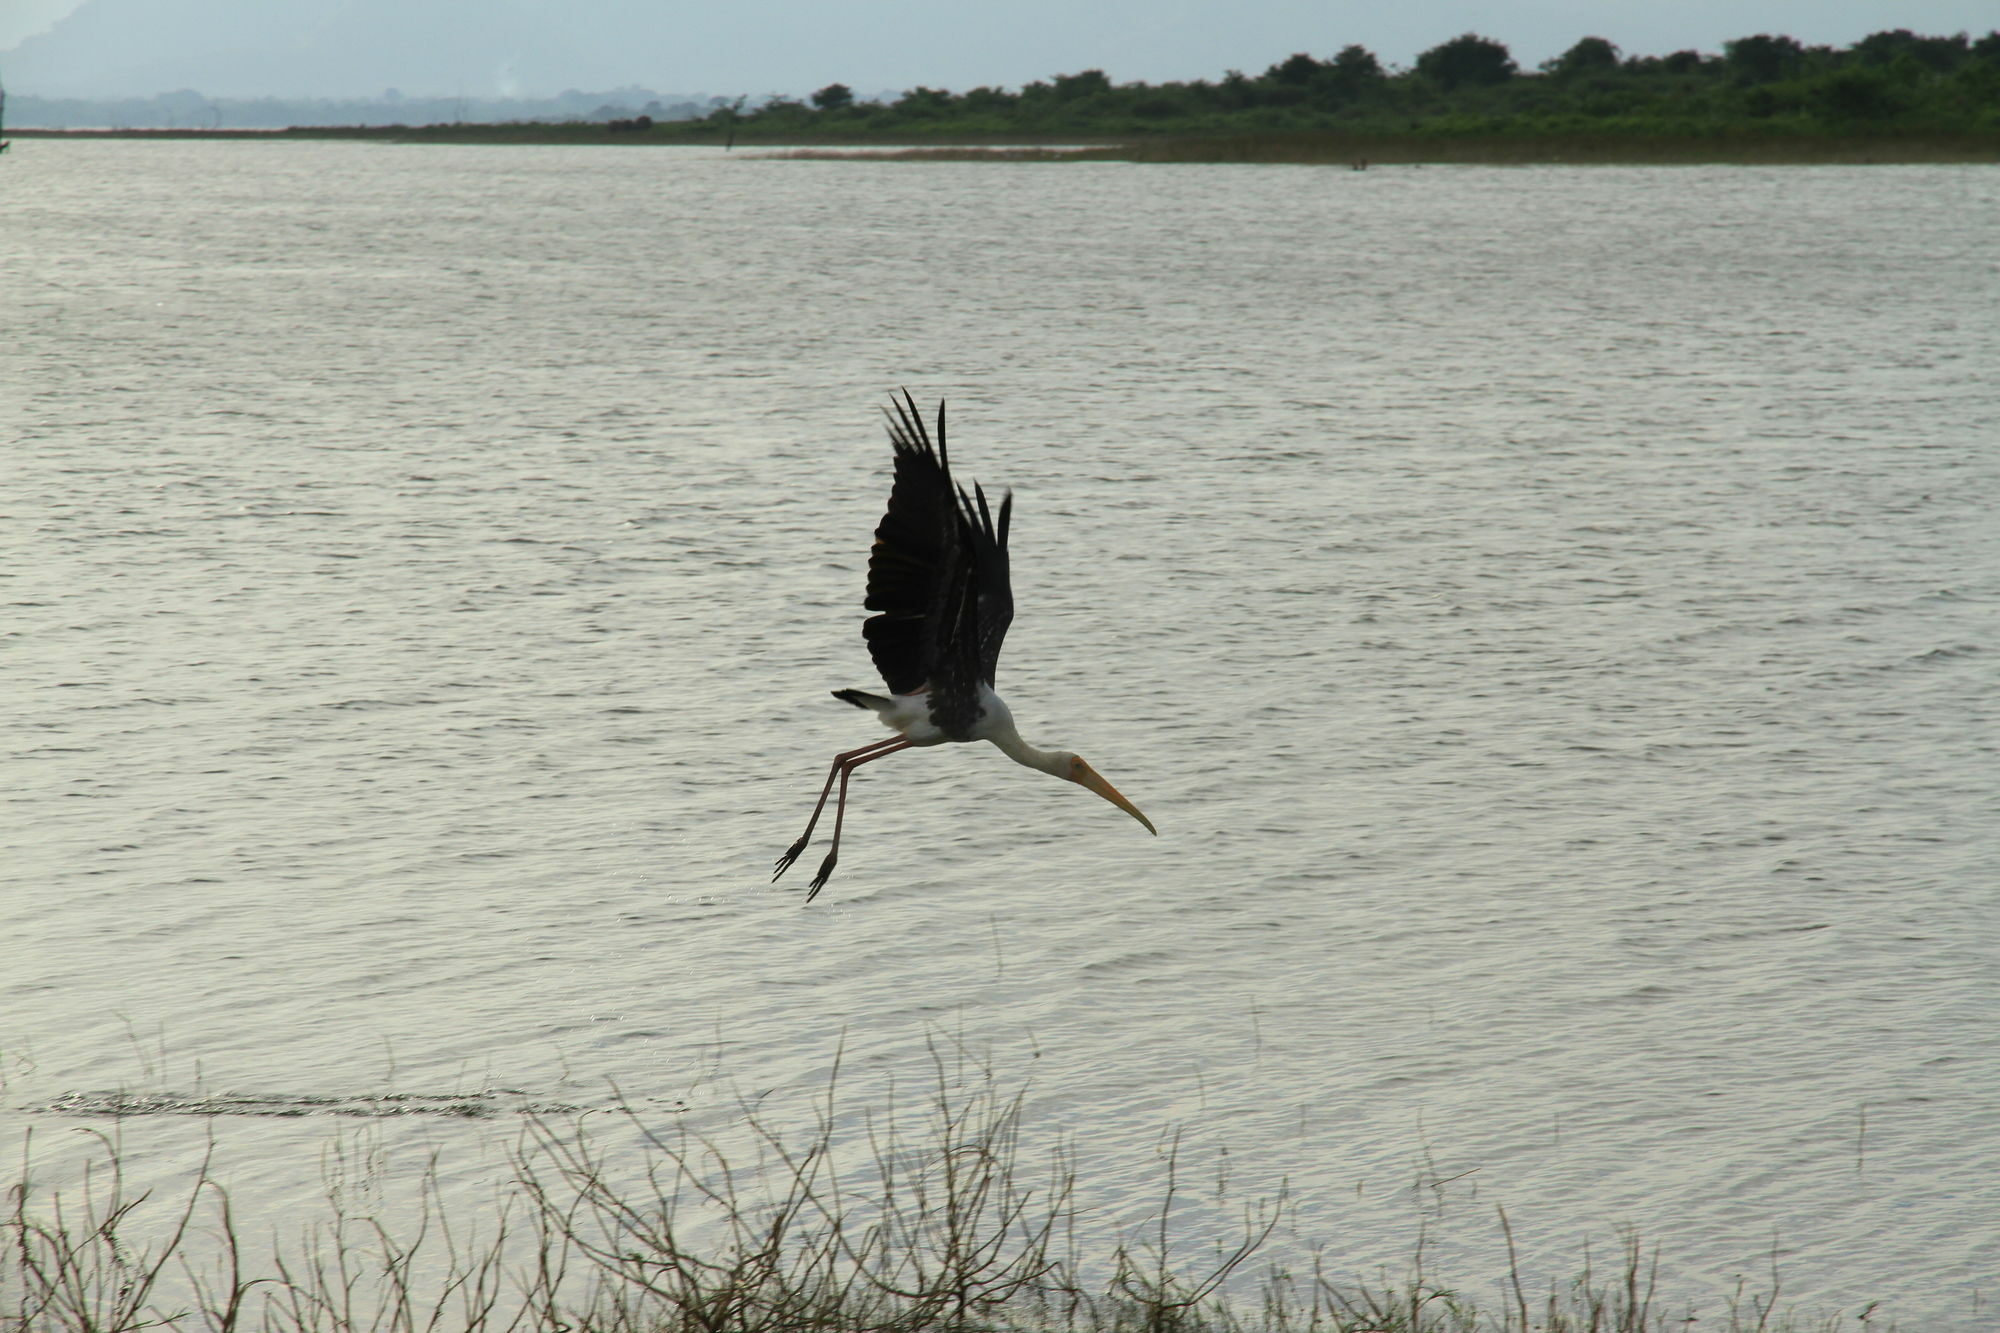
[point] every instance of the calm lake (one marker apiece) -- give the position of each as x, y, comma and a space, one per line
1549, 613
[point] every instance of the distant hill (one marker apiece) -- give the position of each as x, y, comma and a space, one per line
186, 109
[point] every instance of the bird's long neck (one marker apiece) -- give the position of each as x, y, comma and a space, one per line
1055, 762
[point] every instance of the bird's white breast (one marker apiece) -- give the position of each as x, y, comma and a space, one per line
995, 719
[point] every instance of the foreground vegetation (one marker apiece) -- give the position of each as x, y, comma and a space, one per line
856, 1222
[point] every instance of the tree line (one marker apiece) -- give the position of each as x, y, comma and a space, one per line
1887, 81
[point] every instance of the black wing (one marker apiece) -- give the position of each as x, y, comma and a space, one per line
937, 577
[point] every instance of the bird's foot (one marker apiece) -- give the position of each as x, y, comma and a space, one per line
785, 861
825, 874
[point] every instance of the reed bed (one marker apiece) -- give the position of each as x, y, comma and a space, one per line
869, 1221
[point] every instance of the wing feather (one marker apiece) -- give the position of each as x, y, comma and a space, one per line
991, 580
916, 558
937, 577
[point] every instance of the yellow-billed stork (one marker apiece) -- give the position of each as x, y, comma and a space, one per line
937, 581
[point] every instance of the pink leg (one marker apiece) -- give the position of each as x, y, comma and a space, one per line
840, 815
842, 764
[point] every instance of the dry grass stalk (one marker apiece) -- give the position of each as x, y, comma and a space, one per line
858, 1222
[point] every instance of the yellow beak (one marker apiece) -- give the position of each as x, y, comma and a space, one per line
1083, 775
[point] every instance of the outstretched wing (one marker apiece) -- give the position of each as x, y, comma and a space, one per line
937, 576
991, 583
917, 563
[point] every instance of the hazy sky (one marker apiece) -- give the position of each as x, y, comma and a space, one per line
23, 18
360, 47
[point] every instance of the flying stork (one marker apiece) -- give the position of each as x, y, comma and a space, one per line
937, 579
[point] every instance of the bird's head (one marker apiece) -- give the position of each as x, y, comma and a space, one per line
1083, 775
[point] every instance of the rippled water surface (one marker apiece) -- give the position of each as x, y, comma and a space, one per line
1550, 615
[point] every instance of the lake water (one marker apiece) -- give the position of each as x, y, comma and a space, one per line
1550, 615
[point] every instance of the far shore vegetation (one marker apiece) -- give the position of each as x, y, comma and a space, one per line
1893, 96
879, 1219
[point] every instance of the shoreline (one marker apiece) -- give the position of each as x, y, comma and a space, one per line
1347, 149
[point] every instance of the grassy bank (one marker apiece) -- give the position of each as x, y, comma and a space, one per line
1362, 150
857, 1220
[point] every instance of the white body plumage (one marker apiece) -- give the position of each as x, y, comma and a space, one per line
910, 715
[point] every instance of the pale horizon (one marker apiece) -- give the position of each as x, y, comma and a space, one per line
360, 49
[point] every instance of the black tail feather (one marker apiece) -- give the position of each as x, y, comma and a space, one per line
862, 699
